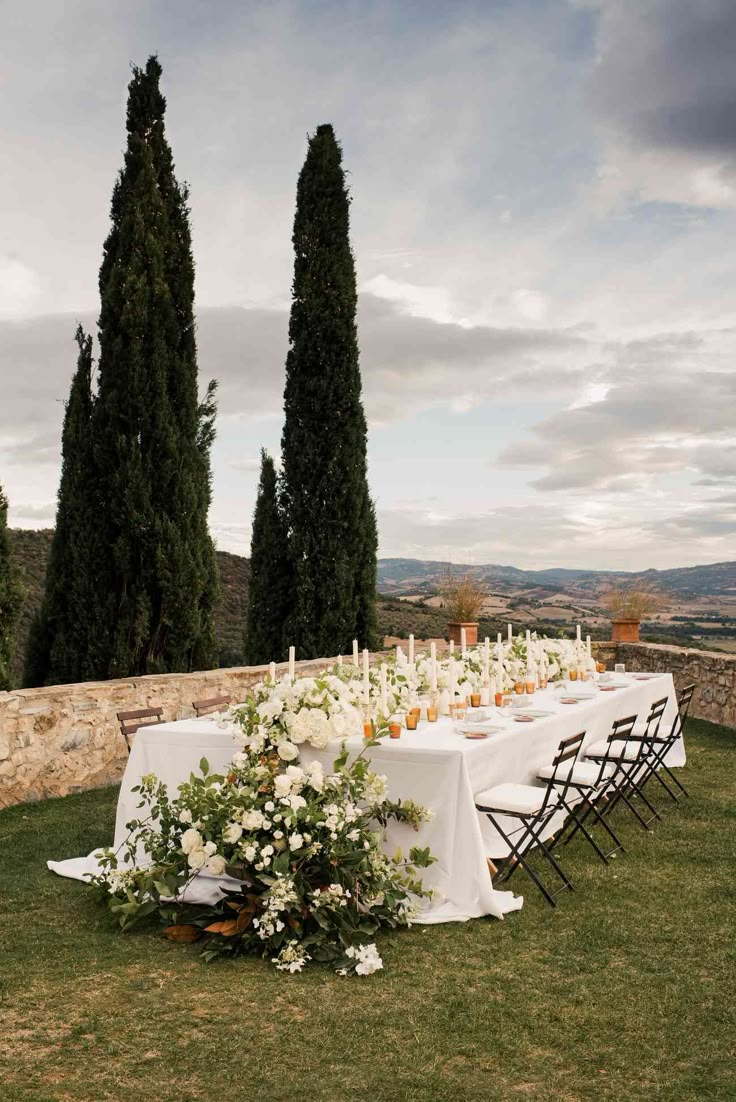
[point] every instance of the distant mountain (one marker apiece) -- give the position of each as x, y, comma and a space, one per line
405, 577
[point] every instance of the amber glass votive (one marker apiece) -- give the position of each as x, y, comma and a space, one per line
543, 683
415, 711
411, 720
530, 687
583, 675
367, 730
394, 730
600, 667
475, 700
498, 699
573, 675
519, 688
431, 714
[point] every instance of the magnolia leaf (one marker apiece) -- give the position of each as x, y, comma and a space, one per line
226, 928
183, 934
204, 766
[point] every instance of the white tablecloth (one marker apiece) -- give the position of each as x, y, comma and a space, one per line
433, 765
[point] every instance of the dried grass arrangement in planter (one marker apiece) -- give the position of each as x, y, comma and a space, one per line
628, 605
463, 599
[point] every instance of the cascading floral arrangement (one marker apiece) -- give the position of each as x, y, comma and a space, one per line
301, 849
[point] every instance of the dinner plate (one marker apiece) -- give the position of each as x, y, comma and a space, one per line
569, 700
524, 719
610, 688
536, 713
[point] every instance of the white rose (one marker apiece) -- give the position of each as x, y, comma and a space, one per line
296, 773
209, 848
267, 851
185, 816
252, 820
295, 802
339, 725
249, 854
288, 751
269, 805
191, 839
232, 833
216, 864
282, 785
296, 841
197, 858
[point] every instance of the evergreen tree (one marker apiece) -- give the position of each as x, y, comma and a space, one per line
11, 596
64, 637
152, 437
332, 531
269, 588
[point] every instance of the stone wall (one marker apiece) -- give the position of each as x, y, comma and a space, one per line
66, 738
713, 672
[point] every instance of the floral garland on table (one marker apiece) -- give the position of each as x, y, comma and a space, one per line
310, 879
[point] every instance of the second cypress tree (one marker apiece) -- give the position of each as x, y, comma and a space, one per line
64, 640
269, 587
332, 532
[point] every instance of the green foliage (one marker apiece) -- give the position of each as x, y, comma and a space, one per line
63, 638
11, 597
151, 434
332, 540
270, 589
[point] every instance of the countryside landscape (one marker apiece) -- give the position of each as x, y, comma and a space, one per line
698, 603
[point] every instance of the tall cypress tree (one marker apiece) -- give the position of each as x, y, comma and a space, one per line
152, 437
65, 634
332, 531
11, 596
269, 587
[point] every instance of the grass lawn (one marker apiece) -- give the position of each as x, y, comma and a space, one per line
624, 992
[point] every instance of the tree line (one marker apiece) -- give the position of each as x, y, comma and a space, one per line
132, 577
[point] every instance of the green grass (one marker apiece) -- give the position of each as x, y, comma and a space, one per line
624, 992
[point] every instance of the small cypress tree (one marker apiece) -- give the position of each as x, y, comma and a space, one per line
332, 536
11, 596
152, 436
269, 588
64, 636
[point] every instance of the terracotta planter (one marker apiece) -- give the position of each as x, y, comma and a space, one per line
471, 632
625, 631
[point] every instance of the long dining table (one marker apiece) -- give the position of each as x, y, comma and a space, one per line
435, 765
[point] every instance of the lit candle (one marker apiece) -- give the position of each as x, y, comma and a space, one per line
588, 646
453, 686
528, 643
463, 642
272, 671
339, 660
355, 653
487, 659
510, 634
433, 667
366, 678
384, 690
452, 646
292, 657
577, 633
499, 665
411, 649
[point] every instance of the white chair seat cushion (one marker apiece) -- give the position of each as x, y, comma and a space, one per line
522, 799
583, 773
619, 750
640, 729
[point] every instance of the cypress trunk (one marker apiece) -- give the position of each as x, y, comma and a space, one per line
152, 437
331, 522
11, 596
65, 636
269, 588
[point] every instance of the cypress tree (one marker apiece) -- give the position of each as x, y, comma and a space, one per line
64, 636
269, 588
332, 531
152, 437
11, 596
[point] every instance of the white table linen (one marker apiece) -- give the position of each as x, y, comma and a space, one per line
434, 765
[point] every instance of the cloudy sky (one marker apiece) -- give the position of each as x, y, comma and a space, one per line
544, 207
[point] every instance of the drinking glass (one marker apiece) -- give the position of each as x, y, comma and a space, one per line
620, 667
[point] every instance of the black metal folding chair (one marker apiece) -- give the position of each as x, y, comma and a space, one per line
661, 746
534, 808
630, 754
589, 783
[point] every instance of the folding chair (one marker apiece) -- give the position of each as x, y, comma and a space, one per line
662, 745
589, 783
140, 717
630, 754
534, 807
212, 704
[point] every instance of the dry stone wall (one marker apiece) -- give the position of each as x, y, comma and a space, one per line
713, 673
66, 738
